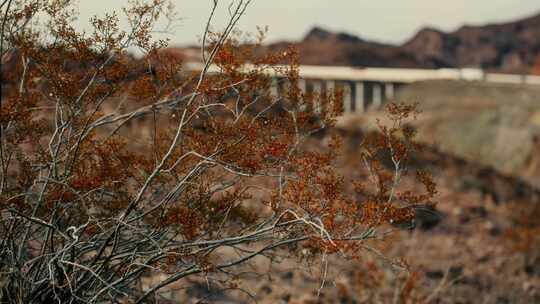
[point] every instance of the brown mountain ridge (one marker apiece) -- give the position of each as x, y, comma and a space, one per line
510, 47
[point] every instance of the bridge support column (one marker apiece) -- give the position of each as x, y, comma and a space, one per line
347, 98
389, 91
359, 100
317, 89
377, 95
330, 87
302, 85
274, 87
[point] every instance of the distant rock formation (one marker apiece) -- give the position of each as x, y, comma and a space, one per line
511, 47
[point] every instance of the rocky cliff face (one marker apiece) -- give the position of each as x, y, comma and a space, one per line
508, 47
492, 125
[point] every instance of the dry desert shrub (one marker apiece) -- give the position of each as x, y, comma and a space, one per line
115, 170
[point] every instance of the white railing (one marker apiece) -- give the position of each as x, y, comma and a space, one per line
394, 75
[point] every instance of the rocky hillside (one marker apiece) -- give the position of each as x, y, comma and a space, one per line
507, 47
321, 47
494, 125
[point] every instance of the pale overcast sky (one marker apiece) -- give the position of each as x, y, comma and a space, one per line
384, 20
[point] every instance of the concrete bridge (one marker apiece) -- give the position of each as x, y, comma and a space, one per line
370, 87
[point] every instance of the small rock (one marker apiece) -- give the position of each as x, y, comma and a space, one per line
286, 298
483, 259
434, 274
266, 289
479, 211
289, 275
455, 271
